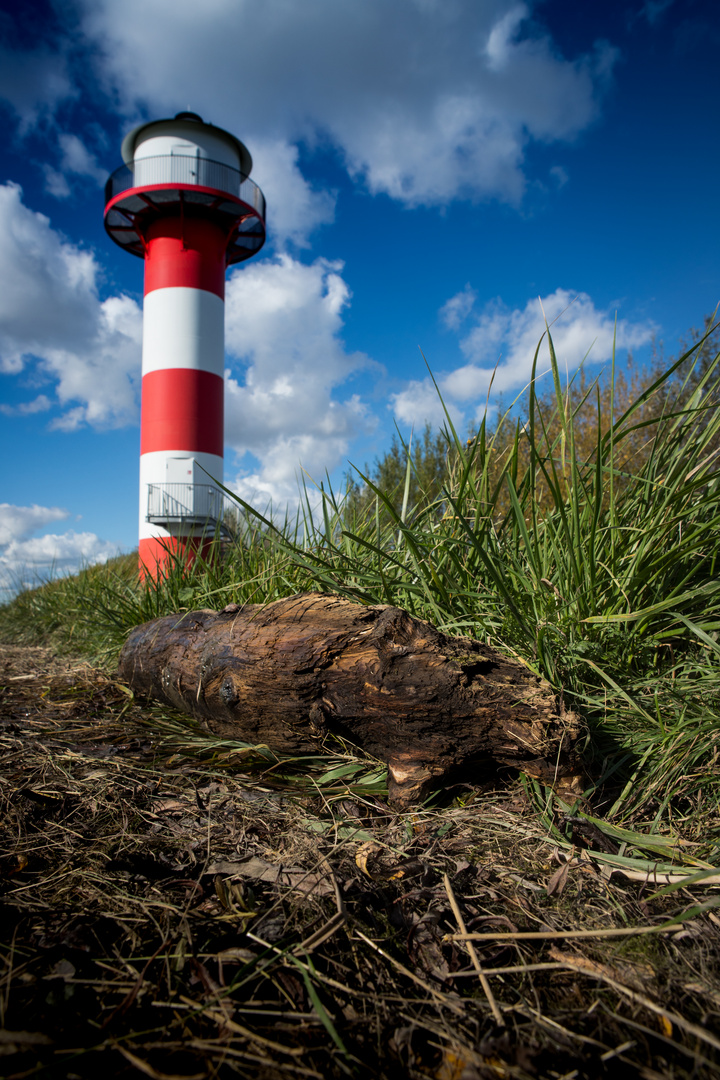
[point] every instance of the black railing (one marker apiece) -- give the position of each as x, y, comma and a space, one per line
172, 169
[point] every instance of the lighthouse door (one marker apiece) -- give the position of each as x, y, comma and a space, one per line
189, 165
180, 470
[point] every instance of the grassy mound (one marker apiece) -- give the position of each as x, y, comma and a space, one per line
582, 535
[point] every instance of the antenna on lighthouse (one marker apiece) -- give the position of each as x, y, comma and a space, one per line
184, 203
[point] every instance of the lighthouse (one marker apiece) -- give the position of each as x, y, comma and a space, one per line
183, 202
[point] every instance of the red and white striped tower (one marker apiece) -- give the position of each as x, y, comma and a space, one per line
183, 202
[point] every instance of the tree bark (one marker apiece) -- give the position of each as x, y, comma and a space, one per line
290, 673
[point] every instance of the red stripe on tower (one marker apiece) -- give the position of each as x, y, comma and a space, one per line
184, 203
189, 253
182, 409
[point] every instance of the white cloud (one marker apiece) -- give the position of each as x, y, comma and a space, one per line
39, 404
559, 175
26, 563
55, 183
104, 376
284, 320
424, 101
501, 346
500, 41
295, 209
458, 307
19, 522
419, 404
52, 321
26, 559
578, 329
62, 551
76, 160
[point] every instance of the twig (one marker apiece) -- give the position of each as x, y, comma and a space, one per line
323, 934
145, 1067
513, 969
223, 1021
473, 954
553, 935
655, 877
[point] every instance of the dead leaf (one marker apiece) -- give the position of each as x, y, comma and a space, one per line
558, 881
13, 864
365, 852
425, 948
236, 955
257, 869
408, 869
456, 1066
62, 970
169, 804
624, 975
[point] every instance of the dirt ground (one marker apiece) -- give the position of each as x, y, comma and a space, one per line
176, 907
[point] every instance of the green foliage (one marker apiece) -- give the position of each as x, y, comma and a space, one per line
701, 347
83, 613
428, 459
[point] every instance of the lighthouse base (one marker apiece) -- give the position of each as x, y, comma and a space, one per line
158, 555
181, 508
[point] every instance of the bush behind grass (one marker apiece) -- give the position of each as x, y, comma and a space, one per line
584, 538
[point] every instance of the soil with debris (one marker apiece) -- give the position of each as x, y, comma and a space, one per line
172, 910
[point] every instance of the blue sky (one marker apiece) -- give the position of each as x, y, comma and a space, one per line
432, 169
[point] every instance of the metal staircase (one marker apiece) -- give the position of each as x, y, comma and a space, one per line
188, 504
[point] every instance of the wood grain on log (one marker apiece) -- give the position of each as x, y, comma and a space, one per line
289, 673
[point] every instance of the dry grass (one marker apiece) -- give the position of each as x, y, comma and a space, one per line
185, 919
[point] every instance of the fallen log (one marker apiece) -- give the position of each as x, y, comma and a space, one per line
290, 673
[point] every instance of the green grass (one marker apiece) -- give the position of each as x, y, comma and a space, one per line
603, 577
